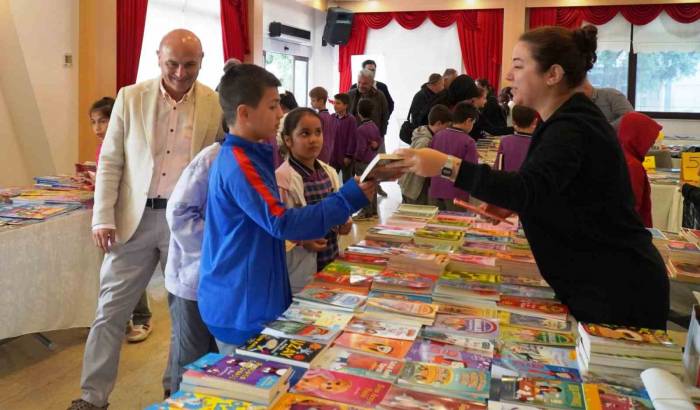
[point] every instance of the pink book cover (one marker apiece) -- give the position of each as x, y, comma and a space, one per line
342, 387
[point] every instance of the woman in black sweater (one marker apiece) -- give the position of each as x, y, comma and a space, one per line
572, 193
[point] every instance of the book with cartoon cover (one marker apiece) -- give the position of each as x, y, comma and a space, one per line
555, 356
296, 401
400, 398
482, 347
463, 383
429, 351
468, 310
377, 346
400, 296
181, 400
534, 336
536, 370
533, 322
342, 387
534, 307
550, 394
346, 361
383, 329
330, 319
473, 326
626, 340
392, 309
320, 297
300, 330
405, 282
526, 291
358, 272
279, 349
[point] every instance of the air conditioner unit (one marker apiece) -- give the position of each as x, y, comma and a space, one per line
289, 33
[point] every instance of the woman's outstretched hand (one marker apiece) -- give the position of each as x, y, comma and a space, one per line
425, 162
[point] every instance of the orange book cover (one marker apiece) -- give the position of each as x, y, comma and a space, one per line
379, 346
548, 308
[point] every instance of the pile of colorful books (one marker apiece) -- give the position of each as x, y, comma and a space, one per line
461, 322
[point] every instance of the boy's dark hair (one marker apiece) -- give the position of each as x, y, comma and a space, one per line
462, 88
224, 126
484, 83
368, 62
523, 116
293, 117
343, 97
243, 84
439, 113
365, 107
103, 106
464, 111
319, 93
288, 101
573, 50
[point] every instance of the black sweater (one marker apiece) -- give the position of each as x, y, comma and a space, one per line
576, 205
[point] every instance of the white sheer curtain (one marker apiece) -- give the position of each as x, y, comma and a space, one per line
202, 17
405, 59
666, 34
613, 35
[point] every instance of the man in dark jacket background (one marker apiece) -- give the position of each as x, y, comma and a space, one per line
421, 103
372, 66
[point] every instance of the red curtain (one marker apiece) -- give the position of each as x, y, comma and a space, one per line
480, 38
234, 28
572, 17
131, 20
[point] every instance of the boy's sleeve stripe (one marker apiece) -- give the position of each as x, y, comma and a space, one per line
251, 174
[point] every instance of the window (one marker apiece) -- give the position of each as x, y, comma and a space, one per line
293, 73
661, 74
202, 17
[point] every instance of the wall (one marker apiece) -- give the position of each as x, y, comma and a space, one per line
39, 93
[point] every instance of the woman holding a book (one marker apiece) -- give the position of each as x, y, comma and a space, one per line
572, 192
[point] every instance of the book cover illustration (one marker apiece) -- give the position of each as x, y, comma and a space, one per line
535, 370
295, 401
449, 381
262, 374
682, 246
291, 349
429, 351
344, 300
405, 279
293, 329
194, 401
549, 308
400, 398
487, 261
425, 310
377, 169
535, 336
452, 276
400, 296
346, 361
482, 347
35, 211
357, 272
545, 393
518, 320
469, 325
342, 387
524, 281
383, 329
526, 291
439, 234
379, 346
555, 356
330, 319
468, 310
628, 334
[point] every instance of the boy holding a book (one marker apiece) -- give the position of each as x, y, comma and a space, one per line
345, 129
414, 188
243, 275
454, 141
368, 139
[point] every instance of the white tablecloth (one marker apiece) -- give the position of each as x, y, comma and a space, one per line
666, 207
49, 275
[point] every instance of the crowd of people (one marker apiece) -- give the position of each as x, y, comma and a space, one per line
241, 195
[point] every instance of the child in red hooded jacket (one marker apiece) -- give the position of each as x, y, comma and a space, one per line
637, 134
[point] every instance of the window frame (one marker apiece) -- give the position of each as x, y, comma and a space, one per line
295, 58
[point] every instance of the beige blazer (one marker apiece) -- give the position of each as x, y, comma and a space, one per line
126, 159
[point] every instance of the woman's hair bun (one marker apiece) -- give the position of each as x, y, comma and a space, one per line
586, 40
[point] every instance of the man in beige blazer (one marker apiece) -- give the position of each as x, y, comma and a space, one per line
156, 128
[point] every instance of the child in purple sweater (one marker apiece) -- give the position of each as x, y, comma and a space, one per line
319, 97
513, 148
455, 141
368, 139
345, 129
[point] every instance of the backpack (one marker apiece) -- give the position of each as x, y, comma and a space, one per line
406, 131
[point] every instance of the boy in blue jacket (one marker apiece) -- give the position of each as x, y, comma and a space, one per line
244, 282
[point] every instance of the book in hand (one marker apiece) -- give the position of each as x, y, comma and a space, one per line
296, 401
481, 212
300, 330
377, 168
517, 368
547, 394
373, 345
342, 387
546, 309
400, 398
472, 326
279, 349
429, 351
182, 400
554, 356
380, 328
243, 378
331, 299
347, 361
461, 383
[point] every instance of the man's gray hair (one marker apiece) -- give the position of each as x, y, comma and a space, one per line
366, 73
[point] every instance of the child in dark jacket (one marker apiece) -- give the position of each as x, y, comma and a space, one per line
243, 275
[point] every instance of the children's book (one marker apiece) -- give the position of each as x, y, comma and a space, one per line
330, 319
555, 356
518, 368
542, 337
417, 211
524, 281
622, 340
533, 322
481, 212
400, 296
403, 310
35, 211
279, 349
296, 401
383, 329
330, 299
472, 326
342, 387
299, 330
534, 307
548, 394
429, 351
455, 278
462, 383
482, 347
358, 272
526, 291
346, 361
400, 398
437, 236
377, 168
181, 400
472, 309
377, 346
404, 282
